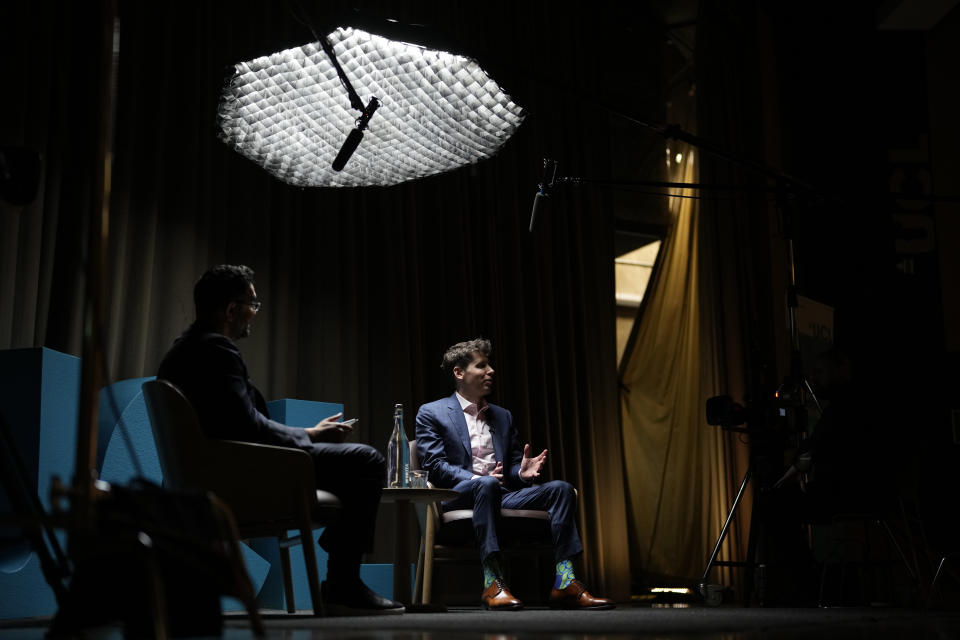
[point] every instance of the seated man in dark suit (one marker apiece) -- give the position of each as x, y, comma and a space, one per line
471, 446
206, 365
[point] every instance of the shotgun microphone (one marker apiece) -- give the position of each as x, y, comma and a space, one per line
544, 188
349, 146
356, 135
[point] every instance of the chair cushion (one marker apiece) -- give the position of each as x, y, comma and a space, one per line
457, 514
327, 507
520, 529
467, 514
327, 499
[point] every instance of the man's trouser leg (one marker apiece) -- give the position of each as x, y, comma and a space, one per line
483, 495
355, 473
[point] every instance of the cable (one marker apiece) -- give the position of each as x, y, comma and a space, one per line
355, 100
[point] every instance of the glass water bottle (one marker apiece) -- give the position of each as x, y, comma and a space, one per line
398, 452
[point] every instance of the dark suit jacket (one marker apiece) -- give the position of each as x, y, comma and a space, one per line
209, 370
443, 443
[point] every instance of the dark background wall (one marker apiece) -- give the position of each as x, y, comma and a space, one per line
863, 109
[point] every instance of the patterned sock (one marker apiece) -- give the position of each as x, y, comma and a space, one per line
564, 575
491, 569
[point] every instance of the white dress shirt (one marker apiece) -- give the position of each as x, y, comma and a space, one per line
481, 442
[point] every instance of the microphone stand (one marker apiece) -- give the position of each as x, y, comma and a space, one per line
550, 181
93, 322
366, 112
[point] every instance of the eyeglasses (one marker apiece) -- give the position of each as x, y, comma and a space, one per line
255, 304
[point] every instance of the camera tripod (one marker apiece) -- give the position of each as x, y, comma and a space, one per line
712, 593
791, 393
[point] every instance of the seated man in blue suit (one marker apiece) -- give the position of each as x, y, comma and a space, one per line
469, 445
206, 365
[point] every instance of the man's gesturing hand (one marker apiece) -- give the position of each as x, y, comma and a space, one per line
330, 430
530, 467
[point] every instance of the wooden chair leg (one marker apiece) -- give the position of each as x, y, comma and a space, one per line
287, 574
313, 574
418, 581
428, 541
157, 594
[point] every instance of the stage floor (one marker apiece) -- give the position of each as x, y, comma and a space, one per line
703, 623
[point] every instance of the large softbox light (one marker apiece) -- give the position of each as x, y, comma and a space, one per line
290, 112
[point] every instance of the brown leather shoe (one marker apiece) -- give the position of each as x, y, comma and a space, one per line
576, 596
497, 598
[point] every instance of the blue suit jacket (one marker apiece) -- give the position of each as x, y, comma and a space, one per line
443, 443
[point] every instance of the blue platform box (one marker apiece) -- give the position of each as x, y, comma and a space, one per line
39, 399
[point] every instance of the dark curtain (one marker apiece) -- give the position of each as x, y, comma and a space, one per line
744, 245
737, 113
363, 288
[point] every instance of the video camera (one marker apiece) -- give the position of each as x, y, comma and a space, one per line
778, 413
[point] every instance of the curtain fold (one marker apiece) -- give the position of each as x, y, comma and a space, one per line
678, 468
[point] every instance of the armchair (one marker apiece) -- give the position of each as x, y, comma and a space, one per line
270, 490
448, 536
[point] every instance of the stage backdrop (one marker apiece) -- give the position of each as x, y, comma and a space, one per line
363, 289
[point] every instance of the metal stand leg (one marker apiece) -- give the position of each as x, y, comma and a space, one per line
723, 533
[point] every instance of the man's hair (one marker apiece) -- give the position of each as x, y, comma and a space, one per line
218, 287
461, 354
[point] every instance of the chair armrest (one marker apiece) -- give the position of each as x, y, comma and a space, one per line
258, 479
284, 462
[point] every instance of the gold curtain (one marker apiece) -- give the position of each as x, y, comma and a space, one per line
681, 473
